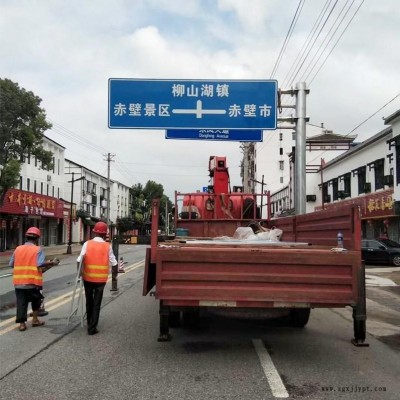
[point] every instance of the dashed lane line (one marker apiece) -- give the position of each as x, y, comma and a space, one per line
278, 389
61, 300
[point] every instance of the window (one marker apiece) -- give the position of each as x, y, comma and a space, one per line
52, 191
281, 164
41, 187
347, 184
325, 191
21, 181
28, 184
362, 178
35, 161
58, 167
34, 186
281, 179
379, 173
47, 190
280, 136
54, 164
335, 189
58, 193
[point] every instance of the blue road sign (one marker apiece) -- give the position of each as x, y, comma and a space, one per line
195, 104
238, 135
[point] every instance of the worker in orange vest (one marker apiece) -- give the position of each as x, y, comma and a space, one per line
96, 256
29, 263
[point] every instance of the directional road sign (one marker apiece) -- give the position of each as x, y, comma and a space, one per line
232, 135
192, 104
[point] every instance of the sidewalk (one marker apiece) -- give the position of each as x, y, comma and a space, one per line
58, 251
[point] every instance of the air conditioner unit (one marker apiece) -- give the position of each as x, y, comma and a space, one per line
388, 180
311, 197
342, 194
48, 178
367, 187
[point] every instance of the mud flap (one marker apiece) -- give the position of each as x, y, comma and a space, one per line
360, 312
149, 279
164, 323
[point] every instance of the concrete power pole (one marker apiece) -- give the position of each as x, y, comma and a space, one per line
109, 158
246, 187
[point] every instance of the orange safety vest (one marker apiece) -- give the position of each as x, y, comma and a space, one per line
26, 270
96, 262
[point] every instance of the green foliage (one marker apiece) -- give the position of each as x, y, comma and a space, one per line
125, 224
22, 125
141, 204
82, 214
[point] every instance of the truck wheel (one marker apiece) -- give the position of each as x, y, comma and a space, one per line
174, 319
299, 317
396, 260
191, 318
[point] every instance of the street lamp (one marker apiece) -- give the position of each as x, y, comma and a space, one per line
69, 249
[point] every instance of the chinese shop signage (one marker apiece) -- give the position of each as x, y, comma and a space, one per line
26, 203
378, 204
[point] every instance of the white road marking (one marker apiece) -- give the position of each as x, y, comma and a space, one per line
275, 382
61, 300
372, 280
5, 275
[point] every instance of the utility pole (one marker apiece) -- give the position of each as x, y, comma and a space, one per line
109, 158
69, 248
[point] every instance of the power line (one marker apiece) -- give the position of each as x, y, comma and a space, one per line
376, 112
288, 35
306, 43
362, 123
326, 37
315, 39
355, 13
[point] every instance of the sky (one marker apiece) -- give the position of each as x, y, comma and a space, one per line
347, 52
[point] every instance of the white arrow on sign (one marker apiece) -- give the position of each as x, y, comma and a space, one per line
198, 110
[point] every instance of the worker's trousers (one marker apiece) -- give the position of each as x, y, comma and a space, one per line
94, 296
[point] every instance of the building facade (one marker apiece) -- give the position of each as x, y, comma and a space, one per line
35, 201
367, 175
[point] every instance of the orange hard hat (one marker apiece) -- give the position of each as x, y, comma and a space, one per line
33, 231
100, 227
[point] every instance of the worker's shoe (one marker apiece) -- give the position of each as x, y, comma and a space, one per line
41, 313
93, 331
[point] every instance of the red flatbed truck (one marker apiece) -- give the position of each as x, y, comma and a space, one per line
298, 274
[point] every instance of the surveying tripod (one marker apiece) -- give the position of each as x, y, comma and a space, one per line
79, 301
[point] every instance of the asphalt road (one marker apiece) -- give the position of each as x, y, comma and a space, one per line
225, 358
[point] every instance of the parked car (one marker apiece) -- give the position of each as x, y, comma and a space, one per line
376, 251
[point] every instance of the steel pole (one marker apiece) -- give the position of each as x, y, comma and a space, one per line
300, 153
69, 248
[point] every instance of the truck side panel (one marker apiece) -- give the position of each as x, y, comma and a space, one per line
282, 276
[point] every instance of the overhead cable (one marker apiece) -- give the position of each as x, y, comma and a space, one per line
288, 35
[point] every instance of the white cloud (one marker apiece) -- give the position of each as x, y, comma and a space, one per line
65, 52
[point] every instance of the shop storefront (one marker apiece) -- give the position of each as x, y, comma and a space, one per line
22, 210
378, 217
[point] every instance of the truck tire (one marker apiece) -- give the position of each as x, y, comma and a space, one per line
396, 260
299, 317
174, 319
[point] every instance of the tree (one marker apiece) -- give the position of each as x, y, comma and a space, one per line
22, 125
124, 224
141, 205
